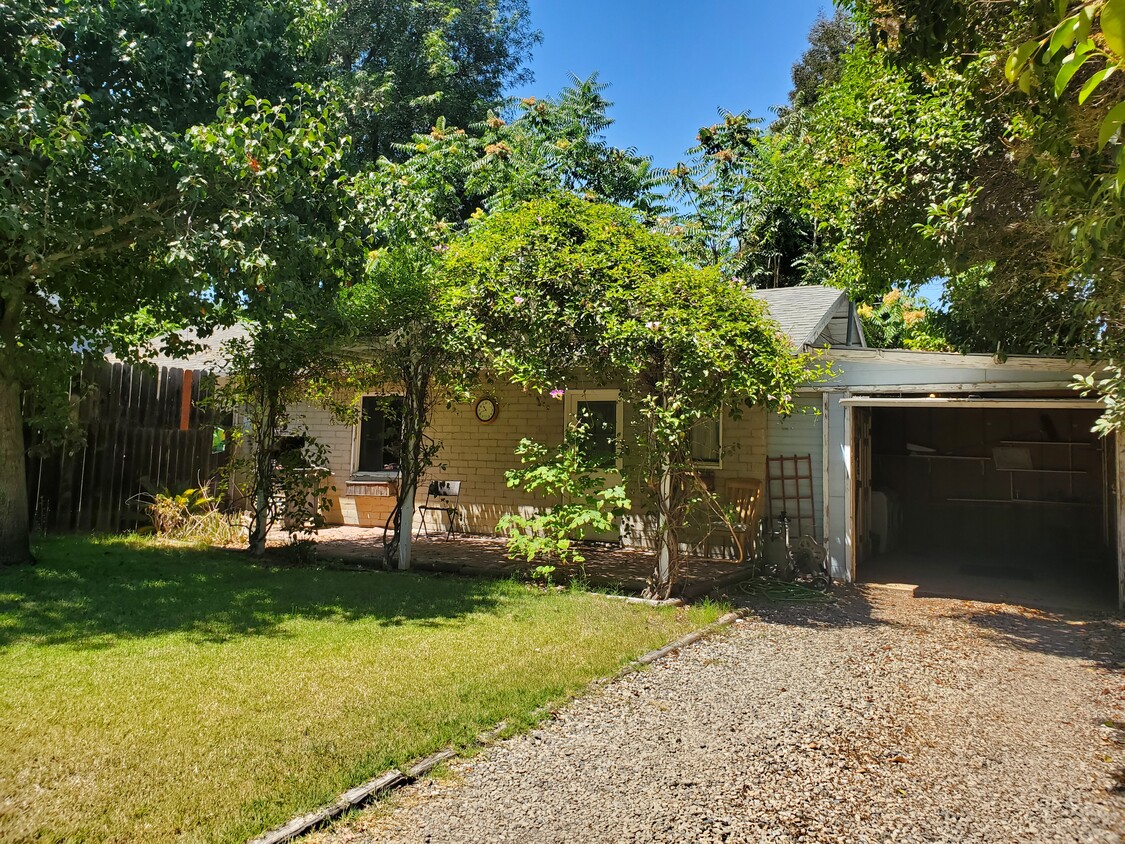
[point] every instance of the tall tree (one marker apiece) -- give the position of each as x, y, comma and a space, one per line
830, 39
1043, 209
94, 102
290, 237
558, 143
400, 310
742, 213
409, 62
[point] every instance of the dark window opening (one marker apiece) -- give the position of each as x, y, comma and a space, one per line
707, 442
380, 433
600, 421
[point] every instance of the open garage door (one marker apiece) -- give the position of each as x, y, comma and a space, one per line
997, 500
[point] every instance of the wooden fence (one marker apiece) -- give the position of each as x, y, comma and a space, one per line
145, 430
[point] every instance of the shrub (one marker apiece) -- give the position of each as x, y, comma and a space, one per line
192, 515
584, 502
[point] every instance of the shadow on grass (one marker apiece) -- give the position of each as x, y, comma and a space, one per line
90, 592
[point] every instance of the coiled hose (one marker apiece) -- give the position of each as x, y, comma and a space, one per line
780, 590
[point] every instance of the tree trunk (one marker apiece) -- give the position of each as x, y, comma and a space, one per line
660, 585
264, 440
260, 520
406, 527
15, 538
413, 457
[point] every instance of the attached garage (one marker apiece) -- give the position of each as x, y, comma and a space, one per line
995, 498
969, 477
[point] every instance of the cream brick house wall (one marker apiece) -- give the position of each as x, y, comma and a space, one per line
478, 454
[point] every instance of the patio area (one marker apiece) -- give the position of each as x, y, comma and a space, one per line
623, 569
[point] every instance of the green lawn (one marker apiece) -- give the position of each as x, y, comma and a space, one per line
155, 694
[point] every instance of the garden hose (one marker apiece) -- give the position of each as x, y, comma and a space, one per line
779, 590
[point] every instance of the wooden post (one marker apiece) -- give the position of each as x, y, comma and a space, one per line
185, 401
849, 494
409, 471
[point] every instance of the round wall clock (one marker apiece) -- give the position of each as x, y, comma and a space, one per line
486, 410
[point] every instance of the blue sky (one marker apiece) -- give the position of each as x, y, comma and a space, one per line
671, 64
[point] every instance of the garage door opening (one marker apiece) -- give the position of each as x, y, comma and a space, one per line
987, 503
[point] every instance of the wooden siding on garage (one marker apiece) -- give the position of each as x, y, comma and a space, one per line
800, 434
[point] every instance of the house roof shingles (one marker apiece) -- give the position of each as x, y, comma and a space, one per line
802, 312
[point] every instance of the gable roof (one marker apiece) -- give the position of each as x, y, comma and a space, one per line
806, 313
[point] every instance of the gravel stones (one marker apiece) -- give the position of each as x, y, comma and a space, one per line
881, 718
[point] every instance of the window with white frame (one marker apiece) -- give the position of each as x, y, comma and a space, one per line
378, 434
707, 442
602, 414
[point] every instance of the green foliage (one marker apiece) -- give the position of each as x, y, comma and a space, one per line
560, 288
558, 143
830, 39
403, 308
879, 156
398, 309
549, 287
899, 322
742, 213
193, 515
408, 64
125, 201
283, 470
94, 100
1075, 38
1109, 384
288, 231
583, 502
290, 237
1038, 238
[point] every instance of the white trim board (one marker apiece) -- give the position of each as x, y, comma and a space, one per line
895, 401
953, 359
976, 387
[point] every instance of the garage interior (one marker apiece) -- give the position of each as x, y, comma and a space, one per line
987, 503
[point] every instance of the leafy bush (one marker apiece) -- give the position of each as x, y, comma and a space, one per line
1109, 385
899, 322
584, 503
288, 479
192, 515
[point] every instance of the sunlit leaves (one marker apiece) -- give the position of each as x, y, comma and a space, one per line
1111, 123
1113, 27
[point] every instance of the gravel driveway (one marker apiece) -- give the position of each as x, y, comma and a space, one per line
882, 718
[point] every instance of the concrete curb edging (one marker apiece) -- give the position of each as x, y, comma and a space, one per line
394, 779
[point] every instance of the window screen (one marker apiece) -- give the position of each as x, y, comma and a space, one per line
379, 434
600, 418
706, 441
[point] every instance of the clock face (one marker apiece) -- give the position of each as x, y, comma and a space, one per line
486, 410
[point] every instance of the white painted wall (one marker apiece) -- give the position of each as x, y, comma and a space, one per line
799, 434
